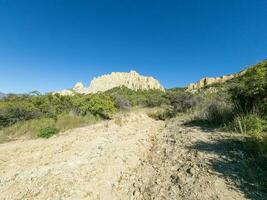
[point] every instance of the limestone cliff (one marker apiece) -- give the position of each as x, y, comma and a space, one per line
131, 80
209, 80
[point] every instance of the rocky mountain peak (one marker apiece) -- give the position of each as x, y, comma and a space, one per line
132, 80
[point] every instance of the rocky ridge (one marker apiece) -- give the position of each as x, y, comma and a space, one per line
211, 80
131, 80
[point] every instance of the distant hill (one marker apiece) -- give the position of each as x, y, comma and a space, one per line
2, 95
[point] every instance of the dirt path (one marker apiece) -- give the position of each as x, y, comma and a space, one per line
181, 165
131, 157
85, 163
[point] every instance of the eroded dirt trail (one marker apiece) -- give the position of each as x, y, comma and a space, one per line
85, 163
131, 157
181, 166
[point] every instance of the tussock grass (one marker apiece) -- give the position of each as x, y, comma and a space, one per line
250, 124
41, 127
66, 122
27, 129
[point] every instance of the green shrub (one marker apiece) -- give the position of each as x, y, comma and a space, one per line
218, 113
156, 99
11, 113
47, 132
28, 128
249, 91
98, 104
150, 98
134, 97
249, 124
182, 101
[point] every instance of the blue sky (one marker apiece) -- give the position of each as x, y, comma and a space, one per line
48, 45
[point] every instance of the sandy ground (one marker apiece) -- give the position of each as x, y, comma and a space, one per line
131, 157
84, 163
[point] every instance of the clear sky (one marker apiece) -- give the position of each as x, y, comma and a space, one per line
48, 45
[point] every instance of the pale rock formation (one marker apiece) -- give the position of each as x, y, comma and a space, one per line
131, 80
65, 92
79, 88
209, 80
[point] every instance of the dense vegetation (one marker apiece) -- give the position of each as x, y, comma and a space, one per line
30, 114
37, 115
149, 98
239, 104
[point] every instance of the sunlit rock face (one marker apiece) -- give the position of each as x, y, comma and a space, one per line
79, 88
131, 80
209, 80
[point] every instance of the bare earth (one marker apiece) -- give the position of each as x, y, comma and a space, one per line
131, 157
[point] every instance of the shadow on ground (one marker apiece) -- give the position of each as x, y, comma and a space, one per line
238, 162
204, 125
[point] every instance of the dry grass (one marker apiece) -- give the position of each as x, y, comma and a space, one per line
30, 129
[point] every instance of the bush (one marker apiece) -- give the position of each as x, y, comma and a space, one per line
20, 108
98, 105
249, 92
182, 101
250, 124
218, 113
11, 113
156, 99
150, 98
122, 103
47, 132
28, 128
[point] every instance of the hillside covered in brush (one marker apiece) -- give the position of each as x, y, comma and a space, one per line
237, 107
